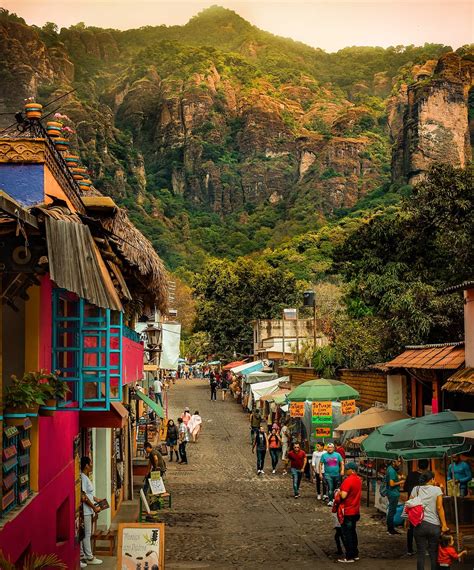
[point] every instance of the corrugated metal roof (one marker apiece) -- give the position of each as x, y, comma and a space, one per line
75, 263
461, 287
461, 381
443, 357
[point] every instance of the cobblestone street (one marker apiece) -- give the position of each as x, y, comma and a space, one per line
224, 516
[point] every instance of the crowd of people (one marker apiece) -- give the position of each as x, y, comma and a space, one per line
338, 484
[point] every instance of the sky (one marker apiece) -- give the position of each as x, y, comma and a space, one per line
328, 24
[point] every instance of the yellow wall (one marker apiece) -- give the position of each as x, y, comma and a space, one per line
52, 188
32, 352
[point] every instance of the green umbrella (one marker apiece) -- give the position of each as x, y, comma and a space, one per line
376, 444
321, 390
432, 430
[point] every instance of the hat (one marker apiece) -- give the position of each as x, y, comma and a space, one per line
352, 465
330, 443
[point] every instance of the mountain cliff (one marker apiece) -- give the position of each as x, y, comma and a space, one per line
223, 139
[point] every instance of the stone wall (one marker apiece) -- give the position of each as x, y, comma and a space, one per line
297, 375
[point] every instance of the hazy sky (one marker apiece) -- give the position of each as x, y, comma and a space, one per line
329, 24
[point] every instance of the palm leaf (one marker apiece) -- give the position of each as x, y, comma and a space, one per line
37, 561
5, 563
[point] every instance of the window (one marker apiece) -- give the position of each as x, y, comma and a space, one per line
87, 349
16, 465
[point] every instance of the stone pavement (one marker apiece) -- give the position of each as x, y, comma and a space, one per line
225, 517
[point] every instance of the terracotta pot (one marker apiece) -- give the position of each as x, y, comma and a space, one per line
54, 128
85, 184
49, 408
76, 173
61, 143
33, 110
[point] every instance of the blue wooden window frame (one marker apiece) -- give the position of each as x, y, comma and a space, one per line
87, 349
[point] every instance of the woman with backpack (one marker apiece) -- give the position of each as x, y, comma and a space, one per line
426, 513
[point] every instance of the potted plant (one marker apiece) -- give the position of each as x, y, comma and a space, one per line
52, 388
33, 110
33, 562
22, 399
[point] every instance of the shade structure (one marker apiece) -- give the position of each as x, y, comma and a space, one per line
372, 418
259, 377
322, 390
248, 367
467, 435
375, 445
151, 403
233, 364
432, 430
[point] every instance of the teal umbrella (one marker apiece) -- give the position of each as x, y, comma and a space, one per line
321, 390
432, 430
376, 444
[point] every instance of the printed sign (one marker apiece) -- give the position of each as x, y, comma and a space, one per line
323, 432
321, 420
348, 407
297, 409
321, 409
141, 545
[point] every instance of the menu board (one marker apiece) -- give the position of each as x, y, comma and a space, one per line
348, 407
141, 545
297, 409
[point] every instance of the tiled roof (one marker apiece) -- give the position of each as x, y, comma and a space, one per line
442, 357
461, 381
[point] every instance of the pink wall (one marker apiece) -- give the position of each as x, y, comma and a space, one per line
35, 527
132, 361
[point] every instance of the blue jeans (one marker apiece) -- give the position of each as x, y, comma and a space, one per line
333, 483
261, 459
297, 476
158, 398
391, 510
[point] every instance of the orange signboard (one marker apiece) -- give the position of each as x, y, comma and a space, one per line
348, 407
323, 432
297, 409
321, 409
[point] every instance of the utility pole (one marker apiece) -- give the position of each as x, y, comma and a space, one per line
309, 300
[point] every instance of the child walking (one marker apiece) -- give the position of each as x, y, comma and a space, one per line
447, 554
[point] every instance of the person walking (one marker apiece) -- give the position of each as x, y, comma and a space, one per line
261, 445
274, 446
315, 461
213, 385
255, 421
427, 533
172, 439
350, 495
285, 444
224, 386
333, 470
297, 458
186, 416
393, 483
90, 510
411, 482
183, 434
195, 425
158, 389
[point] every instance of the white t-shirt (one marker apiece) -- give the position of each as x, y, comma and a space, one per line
88, 489
284, 434
316, 459
428, 495
157, 386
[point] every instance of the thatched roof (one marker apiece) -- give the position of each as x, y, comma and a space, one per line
462, 381
138, 251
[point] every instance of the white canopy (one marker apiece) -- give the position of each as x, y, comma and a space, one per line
248, 367
263, 389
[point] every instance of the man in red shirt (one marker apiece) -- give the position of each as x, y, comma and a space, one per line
350, 493
297, 458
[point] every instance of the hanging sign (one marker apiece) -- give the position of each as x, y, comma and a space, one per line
321, 420
297, 409
321, 409
348, 407
323, 432
141, 545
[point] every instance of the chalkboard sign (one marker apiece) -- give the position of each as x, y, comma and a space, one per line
141, 545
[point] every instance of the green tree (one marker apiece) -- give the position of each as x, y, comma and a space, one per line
229, 295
